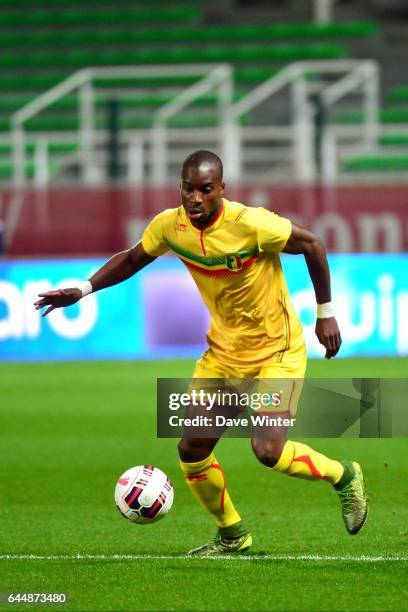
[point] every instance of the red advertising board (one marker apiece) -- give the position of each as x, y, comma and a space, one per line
92, 221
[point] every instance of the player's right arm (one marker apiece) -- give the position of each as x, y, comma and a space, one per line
120, 267
117, 269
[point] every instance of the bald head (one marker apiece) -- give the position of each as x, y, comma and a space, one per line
203, 159
202, 187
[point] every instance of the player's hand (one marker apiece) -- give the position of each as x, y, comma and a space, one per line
57, 299
328, 334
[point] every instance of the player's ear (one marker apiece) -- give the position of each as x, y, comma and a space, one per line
222, 188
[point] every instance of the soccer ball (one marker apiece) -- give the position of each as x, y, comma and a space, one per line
144, 494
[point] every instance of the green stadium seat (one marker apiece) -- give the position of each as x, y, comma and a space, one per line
242, 76
37, 82
85, 16
180, 34
160, 82
376, 163
53, 147
387, 115
398, 94
41, 81
42, 43
159, 4
9, 104
59, 122
6, 169
393, 140
177, 55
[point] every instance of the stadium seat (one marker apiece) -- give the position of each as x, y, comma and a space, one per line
44, 43
387, 115
64, 122
398, 94
37, 82
6, 169
145, 100
180, 34
75, 59
85, 16
53, 147
376, 163
393, 140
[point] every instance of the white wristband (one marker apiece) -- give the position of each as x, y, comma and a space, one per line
85, 287
325, 311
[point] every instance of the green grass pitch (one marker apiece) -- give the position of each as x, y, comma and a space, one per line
68, 430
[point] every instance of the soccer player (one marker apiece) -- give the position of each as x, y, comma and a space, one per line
232, 252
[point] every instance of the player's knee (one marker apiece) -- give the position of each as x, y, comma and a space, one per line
268, 451
191, 450
184, 450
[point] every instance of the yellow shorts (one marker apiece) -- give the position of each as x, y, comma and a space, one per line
283, 379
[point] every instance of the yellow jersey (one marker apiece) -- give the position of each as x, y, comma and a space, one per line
235, 264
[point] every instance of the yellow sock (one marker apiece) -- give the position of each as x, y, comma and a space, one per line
207, 483
303, 462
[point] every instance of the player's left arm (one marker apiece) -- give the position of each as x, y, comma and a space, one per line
303, 241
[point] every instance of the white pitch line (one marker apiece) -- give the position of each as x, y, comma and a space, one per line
85, 557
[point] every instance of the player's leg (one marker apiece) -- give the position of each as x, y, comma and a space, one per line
302, 461
270, 444
273, 449
206, 480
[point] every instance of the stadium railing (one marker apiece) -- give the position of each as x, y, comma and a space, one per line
233, 132
208, 78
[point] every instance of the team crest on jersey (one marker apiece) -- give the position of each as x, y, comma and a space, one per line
234, 262
181, 227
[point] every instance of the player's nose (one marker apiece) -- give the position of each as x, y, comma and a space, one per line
196, 198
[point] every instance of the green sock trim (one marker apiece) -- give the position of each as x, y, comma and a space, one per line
348, 475
233, 531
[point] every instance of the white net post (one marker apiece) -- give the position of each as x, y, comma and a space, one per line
91, 175
135, 161
303, 150
41, 172
323, 11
